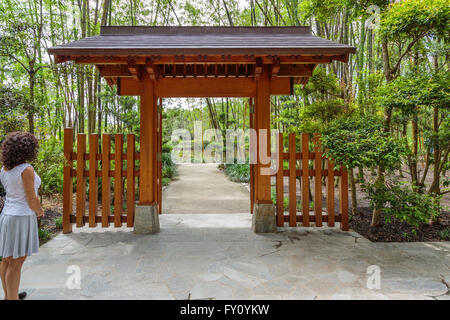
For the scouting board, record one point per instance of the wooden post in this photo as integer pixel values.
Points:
(262, 117)
(160, 138)
(252, 143)
(106, 193)
(330, 194)
(305, 179)
(81, 180)
(343, 198)
(148, 143)
(67, 184)
(318, 180)
(280, 183)
(93, 181)
(292, 181)
(118, 180)
(130, 179)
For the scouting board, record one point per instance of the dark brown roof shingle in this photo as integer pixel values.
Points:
(140, 40)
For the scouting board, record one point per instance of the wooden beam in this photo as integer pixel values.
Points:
(296, 70)
(167, 59)
(284, 70)
(280, 86)
(119, 70)
(61, 59)
(129, 87)
(203, 87)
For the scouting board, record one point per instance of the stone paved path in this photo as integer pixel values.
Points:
(217, 256)
(202, 188)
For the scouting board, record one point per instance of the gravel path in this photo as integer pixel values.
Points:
(202, 188)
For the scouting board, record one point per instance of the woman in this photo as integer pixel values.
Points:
(19, 236)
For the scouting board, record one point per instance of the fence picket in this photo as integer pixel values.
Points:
(343, 201)
(105, 172)
(130, 180)
(106, 191)
(93, 180)
(81, 180)
(305, 179)
(67, 184)
(118, 180)
(318, 180)
(330, 193)
(279, 181)
(292, 182)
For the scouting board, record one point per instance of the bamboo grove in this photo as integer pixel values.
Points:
(398, 78)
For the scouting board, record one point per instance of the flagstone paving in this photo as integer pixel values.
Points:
(216, 256)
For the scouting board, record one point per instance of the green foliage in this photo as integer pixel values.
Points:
(12, 102)
(444, 234)
(360, 141)
(273, 194)
(49, 165)
(238, 172)
(168, 168)
(58, 223)
(44, 235)
(408, 92)
(402, 202)
(415, 19)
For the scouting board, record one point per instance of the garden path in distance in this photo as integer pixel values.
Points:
(203, 188)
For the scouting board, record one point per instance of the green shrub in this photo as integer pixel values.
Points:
(169, 168)
(49, 165)
(360, 141)
(273, 193)
(238, 172)
(165, 181)
(58, 223)
(403, 203)
(444, 234)
(44, 235)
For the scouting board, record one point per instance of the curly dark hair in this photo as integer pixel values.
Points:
(18, 148)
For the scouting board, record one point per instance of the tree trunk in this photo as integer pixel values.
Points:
(415, 141)
(376, 215)
(30, 116)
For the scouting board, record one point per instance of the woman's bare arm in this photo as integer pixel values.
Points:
(28, 186)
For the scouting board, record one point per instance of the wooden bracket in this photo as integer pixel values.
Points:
(258, 68)
(133, 68)
(275, 68)
(151, 69)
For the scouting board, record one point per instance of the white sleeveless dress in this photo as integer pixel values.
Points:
(19, 234)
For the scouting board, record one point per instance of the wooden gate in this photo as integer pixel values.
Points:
(306, 165)
(117, 169)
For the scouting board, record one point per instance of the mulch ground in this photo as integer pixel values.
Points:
(397, 231)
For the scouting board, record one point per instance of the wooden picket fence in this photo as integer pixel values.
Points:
(93, 172)
(312, 165)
